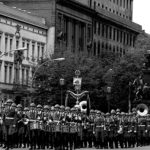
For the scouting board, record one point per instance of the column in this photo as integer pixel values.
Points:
(30, 49)
(76, 37)
(35, 51)
(3, 42)
(131, 8)
(112, 33)
(69, 34)
(8, 43)
(14, 42)
(13, 73)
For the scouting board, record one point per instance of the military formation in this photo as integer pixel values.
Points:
(64, 128)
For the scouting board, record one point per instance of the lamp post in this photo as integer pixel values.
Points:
(108, 97)
(61, 82)
(38, 67)
(129, 97)
(19, 49)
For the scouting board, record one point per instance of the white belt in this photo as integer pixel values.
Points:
(9, 118)
(141, 125)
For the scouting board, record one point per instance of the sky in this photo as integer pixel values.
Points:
(141, 14)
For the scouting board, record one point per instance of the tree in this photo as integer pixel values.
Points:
(92, 71)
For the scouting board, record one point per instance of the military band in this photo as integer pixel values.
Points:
(65, 128)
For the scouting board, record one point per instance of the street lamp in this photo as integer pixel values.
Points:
(108, 97)
(19, 49)
(38, 67)
(61, 82)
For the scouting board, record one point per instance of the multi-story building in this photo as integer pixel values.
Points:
(18, 28)
(91, 26)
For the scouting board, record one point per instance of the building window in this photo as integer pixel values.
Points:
(98, 48)
(5, 74)
(94, 48)
(28, 50)
(121, 37)
(38, 51)
(118, 32)
(11, 42)
(22, 75)
(114, 49)
(95, 27)
(103, 32)
(10, 74)
(99, 28)
(42, 51)
(114, 35)
(33, 49)
(27, 76)
(23, 43)
(110, 32)
(17, 43)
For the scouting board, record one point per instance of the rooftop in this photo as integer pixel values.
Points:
(21, 15)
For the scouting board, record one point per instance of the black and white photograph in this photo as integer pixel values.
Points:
(74, 75)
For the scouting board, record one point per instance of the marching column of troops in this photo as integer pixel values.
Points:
(66, 128)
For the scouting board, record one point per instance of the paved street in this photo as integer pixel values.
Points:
(137, 148)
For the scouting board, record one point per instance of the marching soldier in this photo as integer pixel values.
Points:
(57, 124)
(9, 124)
(26, 137)
(39, 118)
(120, 129)
(20, 125)
(99, 130)
(45, 141)
(33, 126)
(91, 128)
(141, 130)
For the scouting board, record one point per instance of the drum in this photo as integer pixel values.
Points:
(34, 125)
(73, 129)
(57, 128)
(52, 128)
(1, 121)
(41, 127)
(9, 121)
(65, 129)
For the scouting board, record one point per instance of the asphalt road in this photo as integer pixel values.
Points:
(137, 148)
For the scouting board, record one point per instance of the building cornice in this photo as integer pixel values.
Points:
(102, 13)
(21, 16)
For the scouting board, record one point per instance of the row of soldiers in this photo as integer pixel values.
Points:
(63, 128)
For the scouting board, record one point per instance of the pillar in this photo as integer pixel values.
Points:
(131, 8)
(69, 34)
(76, 37)
(3, 42)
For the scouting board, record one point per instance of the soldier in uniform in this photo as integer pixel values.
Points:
(20, 125)
(1, 126)
(99, 130)
(91, 128)
(39, 117)
(26, 136)
(57, 124)
(120, 129)
(33, 133)
(84, 129)
(9, 119)
(141, 130)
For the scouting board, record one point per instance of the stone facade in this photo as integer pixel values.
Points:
(33, 35)
(91, 26)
